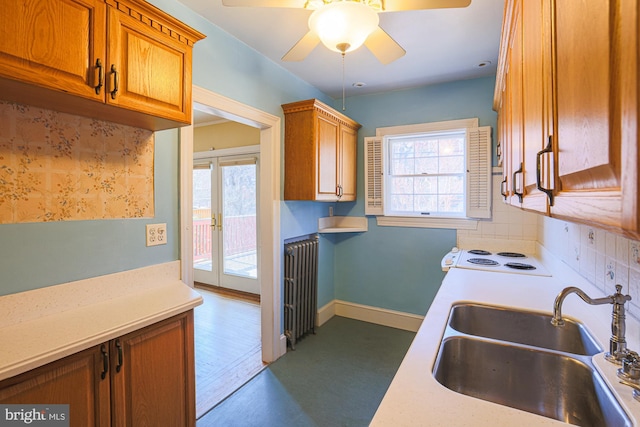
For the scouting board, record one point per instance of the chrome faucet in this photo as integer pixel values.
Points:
(617, 343)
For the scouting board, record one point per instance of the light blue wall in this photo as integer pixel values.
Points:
(43, 254)
(385, 267)
(392, 267)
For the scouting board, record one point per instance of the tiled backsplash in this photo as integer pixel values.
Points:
(57, 167)
(604, 259)
(518, 229)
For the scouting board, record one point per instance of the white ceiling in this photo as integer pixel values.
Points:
(442, 45)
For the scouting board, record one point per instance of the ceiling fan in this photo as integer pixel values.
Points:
(344, 25)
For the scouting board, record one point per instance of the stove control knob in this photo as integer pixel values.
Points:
(455, 250)
(448, 261)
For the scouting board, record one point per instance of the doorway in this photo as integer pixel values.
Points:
(269, 194)
(225, 206)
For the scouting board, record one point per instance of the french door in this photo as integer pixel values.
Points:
(224, 222)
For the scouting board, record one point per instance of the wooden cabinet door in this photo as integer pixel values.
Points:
(151, 70)
(348, 159)
(153, 377)
(328, 134)
(54, 44)
(515, 89)
(534, 72)
(75, 380)
(588, 142)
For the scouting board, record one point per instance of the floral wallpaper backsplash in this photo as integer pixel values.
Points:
(57, 167)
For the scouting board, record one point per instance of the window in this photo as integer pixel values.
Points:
(426, 174)
(433, 174)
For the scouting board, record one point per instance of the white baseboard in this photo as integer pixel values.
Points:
(365, 313)
(325, 313)
(283, 345)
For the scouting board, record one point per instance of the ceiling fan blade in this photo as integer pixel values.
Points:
(303, 48)
(265, 3)
(384, 47)
(399, 5)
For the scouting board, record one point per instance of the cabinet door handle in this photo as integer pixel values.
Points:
(339, 191)
(116, 81)
(105, 362)
(547, 191)
(219, 221)
(213, 221)
(100, 76)
(120, 359)
(503, 184)
(515, 189)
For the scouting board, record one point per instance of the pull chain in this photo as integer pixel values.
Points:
(343, 90)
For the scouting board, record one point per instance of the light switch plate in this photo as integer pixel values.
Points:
(156, 234)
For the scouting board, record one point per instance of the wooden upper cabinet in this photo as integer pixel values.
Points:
(153, 66)
(578, 124)
(348, 161)
(536, 74)
(76, 381)
(320, 153)
(54, 44)
(596, 106)
(61, 54)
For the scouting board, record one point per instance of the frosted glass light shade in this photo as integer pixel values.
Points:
(343, 26)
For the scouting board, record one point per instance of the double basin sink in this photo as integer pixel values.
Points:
(519, 359)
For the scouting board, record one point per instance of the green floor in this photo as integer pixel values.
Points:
(336, 377)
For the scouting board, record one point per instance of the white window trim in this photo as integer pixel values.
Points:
(419, 222)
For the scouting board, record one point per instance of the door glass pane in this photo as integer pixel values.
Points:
(202, 257)
(239, 220)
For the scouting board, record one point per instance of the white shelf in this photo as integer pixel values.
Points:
(343, 224)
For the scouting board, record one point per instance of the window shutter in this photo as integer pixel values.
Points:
(373, 178)
(479, 172)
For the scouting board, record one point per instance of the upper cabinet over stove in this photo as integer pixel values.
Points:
(567, 101)
(123, 61)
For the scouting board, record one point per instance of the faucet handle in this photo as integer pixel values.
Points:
(618, 297)
(630, 370)
(634, 386)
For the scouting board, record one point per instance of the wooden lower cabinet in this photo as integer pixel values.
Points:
(149, 379)
(75, 380)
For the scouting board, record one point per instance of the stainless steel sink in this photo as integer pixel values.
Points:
(519, 359)
(523, 327)
(545, 383)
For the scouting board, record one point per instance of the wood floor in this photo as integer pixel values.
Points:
(227, 344)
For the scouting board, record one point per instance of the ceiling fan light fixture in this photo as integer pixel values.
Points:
(343, 26)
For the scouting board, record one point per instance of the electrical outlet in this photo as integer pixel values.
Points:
(156, 234)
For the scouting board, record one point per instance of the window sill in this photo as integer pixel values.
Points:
(453, 223)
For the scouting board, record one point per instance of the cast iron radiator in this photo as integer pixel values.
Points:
(300, 288)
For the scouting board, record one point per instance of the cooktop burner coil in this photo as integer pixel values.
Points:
(479, 252)
(520, 266)
(511, 254)
(482, 261)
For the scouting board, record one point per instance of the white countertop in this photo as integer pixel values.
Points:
(43, 325)
(415, 398)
